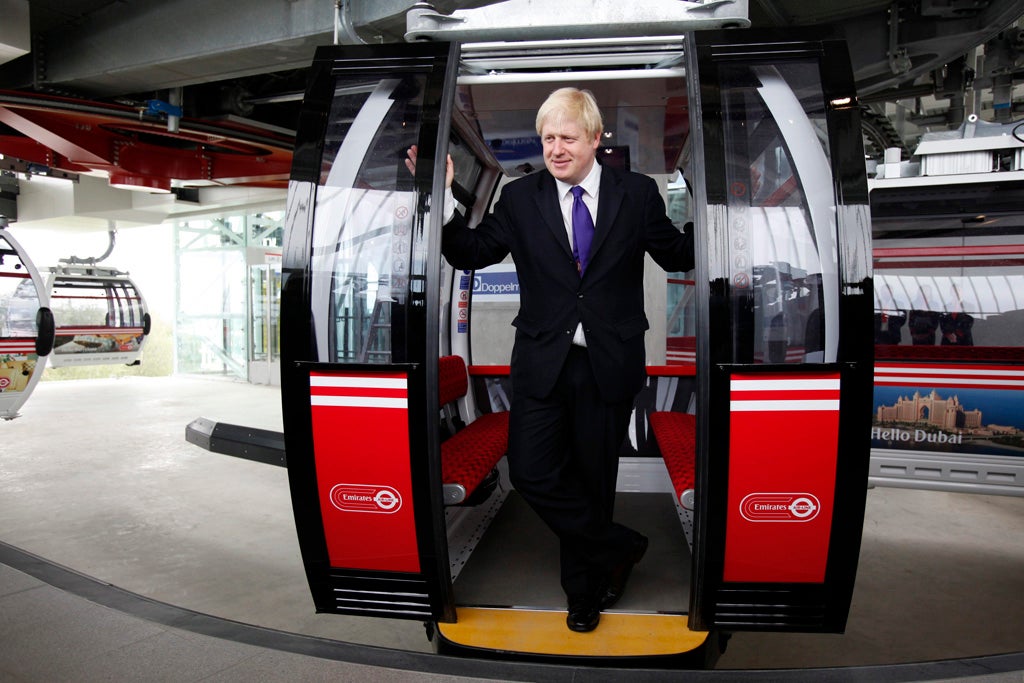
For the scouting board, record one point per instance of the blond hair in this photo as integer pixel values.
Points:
(573, 104)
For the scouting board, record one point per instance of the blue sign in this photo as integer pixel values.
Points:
(496, 283)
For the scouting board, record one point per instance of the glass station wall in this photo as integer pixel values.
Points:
(228, 294)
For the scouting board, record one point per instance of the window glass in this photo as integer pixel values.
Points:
(19, 299)
(949, 292)
(781, 213)
(680, 292)
(264, 310)
(266, 228)
(368, 257)
(95, 303)
(467, 166)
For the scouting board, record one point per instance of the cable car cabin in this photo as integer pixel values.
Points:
(26, 326)
(100, 315)
(948, 244)
(747, 468)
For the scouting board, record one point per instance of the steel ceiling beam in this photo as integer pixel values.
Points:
(531, 20)
(147, 45)
(929, 42)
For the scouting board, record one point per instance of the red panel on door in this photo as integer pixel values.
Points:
(361, 445)
(783, 436)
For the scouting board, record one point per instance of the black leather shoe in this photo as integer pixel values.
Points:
(583, 614)
(619, 575)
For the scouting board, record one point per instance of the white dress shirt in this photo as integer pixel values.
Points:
(591, 186)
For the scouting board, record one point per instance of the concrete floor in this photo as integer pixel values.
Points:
(97, 476)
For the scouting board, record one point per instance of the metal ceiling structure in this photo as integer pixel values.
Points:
(162, 94)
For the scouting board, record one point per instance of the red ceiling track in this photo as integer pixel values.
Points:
(79, 136)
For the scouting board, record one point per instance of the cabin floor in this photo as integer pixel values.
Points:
(96, 477)
(516, 563)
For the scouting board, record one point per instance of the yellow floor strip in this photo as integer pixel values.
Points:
(545, 632)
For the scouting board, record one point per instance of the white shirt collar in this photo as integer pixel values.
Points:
(590, 184)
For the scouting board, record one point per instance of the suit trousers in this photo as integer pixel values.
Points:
(563, 460)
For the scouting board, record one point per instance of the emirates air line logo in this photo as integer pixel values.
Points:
(779, 507)
(365, 498)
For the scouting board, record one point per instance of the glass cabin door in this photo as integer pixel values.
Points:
(360, 330)
(784, 351)
(264, 323)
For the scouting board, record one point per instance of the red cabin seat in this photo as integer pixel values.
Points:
(469, 455)
(676, 434)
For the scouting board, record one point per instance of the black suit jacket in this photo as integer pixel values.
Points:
(608, 299)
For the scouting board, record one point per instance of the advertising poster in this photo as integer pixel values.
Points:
(17, 363)
(949, 409)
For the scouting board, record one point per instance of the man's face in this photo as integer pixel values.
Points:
(568, 152)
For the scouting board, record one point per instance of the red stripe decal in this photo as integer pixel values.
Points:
(97, 331)
(28, 346)
(1002, 377)
(361, 449)
(783, 436)
(920, 252)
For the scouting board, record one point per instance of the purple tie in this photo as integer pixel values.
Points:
(582, 229)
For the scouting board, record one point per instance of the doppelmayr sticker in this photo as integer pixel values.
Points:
(365, 498)
(780, 507)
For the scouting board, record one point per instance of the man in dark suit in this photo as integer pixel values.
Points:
(578, 358)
